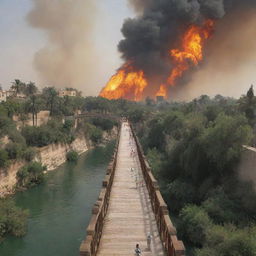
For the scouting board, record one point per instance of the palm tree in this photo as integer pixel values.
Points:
(33, 105)
(17, 86)
(30, 89)
(50, 94)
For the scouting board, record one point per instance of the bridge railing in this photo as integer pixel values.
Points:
(94, 230)
(166, 229)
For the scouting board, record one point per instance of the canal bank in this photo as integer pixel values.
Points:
(60, 208)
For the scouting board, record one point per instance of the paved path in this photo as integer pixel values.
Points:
(130, 217)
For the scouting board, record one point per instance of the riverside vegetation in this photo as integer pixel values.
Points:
(21, 143)
(193, 148)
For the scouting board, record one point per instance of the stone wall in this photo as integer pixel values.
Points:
(8, 178)
(247, 165)
(54, 155)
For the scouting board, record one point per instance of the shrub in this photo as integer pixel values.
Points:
(67, 126)
(30, 174)
(194, 225)
(3, 158)
(14, 150)
(29, 154)
(228, 240)
(104, 124)
(179, 193)
(219, 207)
(96, 135)
(13, 221)
(37, 136)
(44, 135)
(16, 137)
(72, 156)
(155, 159)
(5, 125)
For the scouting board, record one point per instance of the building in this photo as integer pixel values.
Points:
(13, 93)
(10, 93)
(3, 96)
(67, 92)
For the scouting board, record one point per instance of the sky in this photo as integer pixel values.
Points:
(19, 42)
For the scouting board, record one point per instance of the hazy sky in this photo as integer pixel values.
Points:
(19, 42)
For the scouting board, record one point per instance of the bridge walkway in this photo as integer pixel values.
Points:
(130, 217)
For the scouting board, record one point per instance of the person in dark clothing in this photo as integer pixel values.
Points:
(137, 250)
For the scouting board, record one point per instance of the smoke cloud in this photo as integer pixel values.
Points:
(68, 58)
(160, 24)
(229, 67)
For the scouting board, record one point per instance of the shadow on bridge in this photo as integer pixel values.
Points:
(129, 207)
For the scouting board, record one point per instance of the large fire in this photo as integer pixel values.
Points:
(124, 84)
(130, 84)
(192, 50)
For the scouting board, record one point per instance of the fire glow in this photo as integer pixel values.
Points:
(130, 84)
(192, 52)
(127, 85)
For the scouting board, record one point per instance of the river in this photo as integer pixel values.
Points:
(60, 208)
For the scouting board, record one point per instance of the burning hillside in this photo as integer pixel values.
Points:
(164, 44)
(130, 83)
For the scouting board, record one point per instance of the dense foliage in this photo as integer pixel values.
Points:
(13, 221)
(30, 174)
(194, 149)
(72, 156)
(20, 135)
(53, 132)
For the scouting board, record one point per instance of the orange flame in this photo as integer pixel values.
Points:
(192, 52)
(128, 85)
(162, 91)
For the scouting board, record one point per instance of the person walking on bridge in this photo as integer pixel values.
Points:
(137, 250)
(149, 237)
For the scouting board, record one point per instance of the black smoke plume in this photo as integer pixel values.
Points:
(158, 28)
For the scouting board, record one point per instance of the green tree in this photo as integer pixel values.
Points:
(223, 141)
(15, 150)
(194, 225)
(155, 159)
(3, 158)
(228, 241)
(247, 104)
(136, 115)
(30, 89)
(250, 93)
(179, 193)
(17, 86)
(96, 135)
(33, 105)
(50, 94)
(72, 156)
(30, 174)
(13, 220)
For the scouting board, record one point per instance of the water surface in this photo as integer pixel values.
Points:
(60, 209)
